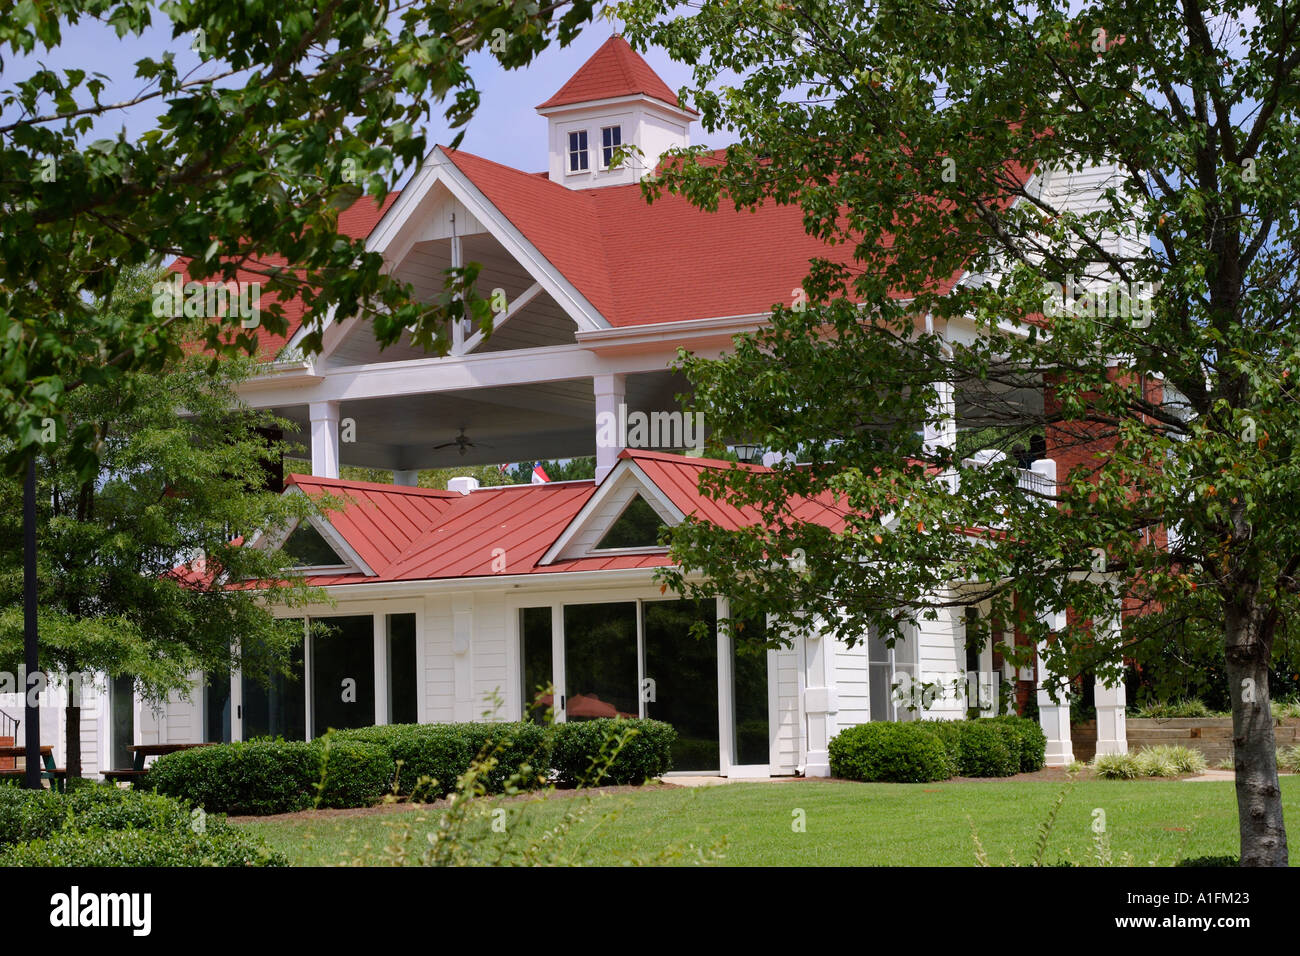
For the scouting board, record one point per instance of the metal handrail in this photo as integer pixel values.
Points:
(9, 726)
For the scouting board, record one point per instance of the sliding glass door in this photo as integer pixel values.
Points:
(600, 661)
(681, 678)
(275, 706)
(342, 673)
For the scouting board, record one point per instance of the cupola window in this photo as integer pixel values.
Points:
(611, 138)
(578, 151)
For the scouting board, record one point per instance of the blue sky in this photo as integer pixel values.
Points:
(505, 129)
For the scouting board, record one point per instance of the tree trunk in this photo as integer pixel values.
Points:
(1259, 798)
(73, 742)
(72, 739)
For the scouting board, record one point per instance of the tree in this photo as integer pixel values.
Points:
(1170, 408)
(137, 559)
(298, 110)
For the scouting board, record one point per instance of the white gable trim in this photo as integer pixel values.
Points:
(438, 168)
(352, 561)
(626, 481)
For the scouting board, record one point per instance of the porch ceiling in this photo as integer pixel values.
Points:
(515, 423)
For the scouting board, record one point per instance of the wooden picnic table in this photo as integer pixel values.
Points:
(58, 776)
(139, 753)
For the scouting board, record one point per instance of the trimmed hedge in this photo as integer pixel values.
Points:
(355, 773)
(890, 752)
(1033, 742)
(106, 826)
(255, 777)
(576, 746)
(421, 761)
(984, 747)
(987, 749)
(439, 753)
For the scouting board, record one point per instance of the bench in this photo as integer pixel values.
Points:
(139, 753)
(57, 776)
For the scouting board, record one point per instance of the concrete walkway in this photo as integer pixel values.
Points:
(715, 781)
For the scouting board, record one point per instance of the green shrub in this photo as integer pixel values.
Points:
(522, 752)
(1033, 742)
(1115, 766)
(1155, 762)
(256, 777)
(1288, 760)
(105, 826)
(1285, 709)
(439, 753)
(576, 747)
(1164, 710)
(949, 733)
(987, 748)
(434, 753)
(143, 848)
(1188, 760)
(353, 773)
(910, 752)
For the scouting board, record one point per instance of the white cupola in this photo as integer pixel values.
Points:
(615, 99)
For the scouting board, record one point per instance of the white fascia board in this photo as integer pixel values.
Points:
(624, 472)
(439, 168)
(726, 325)
(427, 376)
(510, 584)
(688, 116)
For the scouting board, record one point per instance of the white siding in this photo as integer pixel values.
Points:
(787, 674)
(491, 670)
(439, 662)
(852, 684)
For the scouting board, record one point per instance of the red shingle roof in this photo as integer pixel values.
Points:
(613, 70)
(356, 222)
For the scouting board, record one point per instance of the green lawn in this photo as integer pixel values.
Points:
(1156, 823)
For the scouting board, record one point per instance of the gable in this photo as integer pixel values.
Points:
(637, 527)
(612, 519)
(309, 549)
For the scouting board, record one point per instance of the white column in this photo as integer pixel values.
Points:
(1054, 715)
(611, 391)
(325, 439)
(821, 701)
(408, 479)
(941, 426)
(462, 628)
(1112, 736)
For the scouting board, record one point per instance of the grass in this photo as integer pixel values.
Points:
(852, 824)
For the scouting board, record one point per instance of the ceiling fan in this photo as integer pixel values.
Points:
(461, 441)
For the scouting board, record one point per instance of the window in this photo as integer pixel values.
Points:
(538, 662)
(611, 138)
(309, 549)
(637, 527)
(403, 684)
(342, 673)
(578, 151)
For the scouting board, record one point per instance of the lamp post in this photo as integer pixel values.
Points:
(31, 698)
(746, 453)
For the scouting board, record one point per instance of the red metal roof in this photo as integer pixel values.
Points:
(414, 534)
(613, 70)
(380, 522)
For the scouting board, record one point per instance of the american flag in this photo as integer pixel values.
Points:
(540, 477)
